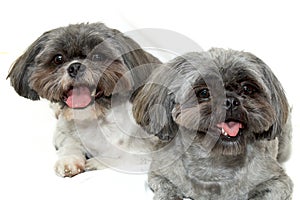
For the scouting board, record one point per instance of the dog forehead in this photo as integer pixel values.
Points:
(234, 73)
(197, 65)
(236, 65)
(71, 40)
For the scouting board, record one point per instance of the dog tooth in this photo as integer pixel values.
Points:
(223, 131)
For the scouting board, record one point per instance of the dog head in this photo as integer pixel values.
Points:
(228, 95)
(77, 65)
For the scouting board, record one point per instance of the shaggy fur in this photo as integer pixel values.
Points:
(223, 122)
(77, 68)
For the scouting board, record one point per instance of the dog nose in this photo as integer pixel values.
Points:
(76, 69)
(231, 103)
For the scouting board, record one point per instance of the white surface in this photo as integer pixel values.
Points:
(268, 29)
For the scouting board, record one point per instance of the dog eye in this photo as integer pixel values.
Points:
(58, 59)
(248, 89)
(202, 93)
(98, 57)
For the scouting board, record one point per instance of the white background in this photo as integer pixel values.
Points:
(269, 29)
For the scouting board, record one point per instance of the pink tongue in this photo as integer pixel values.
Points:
(231, 128)
(79, 97)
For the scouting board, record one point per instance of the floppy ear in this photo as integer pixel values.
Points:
(280, 104)
(278, 100)
(281, 127)
(22, 68)
(133, 56)
(154, 103)
(136, 55)
(152, 110)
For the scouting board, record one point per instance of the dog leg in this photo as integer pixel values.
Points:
(163, 188)
(278, 188)
(71, 154)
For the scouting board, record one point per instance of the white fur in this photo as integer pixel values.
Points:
(114, 141)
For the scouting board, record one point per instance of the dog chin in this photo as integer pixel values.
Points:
(230, 145)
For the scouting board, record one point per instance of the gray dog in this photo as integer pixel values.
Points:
(77, 68)
(224, 126)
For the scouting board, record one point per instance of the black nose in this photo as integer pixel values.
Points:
(231, 103)
(76, 69)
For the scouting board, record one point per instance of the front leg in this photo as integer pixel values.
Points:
(163, 189)
(71, 154)
(277, 188)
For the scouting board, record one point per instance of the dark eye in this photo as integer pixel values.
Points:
(202, 93)
(98, 57)
(58, 59)
(249, 89)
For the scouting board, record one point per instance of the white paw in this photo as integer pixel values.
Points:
(68, 166)
(94, 164)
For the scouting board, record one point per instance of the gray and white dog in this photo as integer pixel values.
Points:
(77, 68)
(223, 122)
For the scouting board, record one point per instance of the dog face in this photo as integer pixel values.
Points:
(225, 96)
(77, 65)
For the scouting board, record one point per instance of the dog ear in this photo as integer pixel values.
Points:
(278, 99)
(152, 107)
(22, 68)
(133, 56)
(280, 104)
(154, 102)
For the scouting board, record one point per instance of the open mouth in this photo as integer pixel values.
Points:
(230, 129)
(81, 96)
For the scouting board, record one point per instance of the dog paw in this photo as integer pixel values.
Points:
(69, 166)
(94, 164)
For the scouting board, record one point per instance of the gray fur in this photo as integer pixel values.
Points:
(210, 164)
(104, 55)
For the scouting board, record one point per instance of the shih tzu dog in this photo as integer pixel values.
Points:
(223, 122)
(77, 69)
